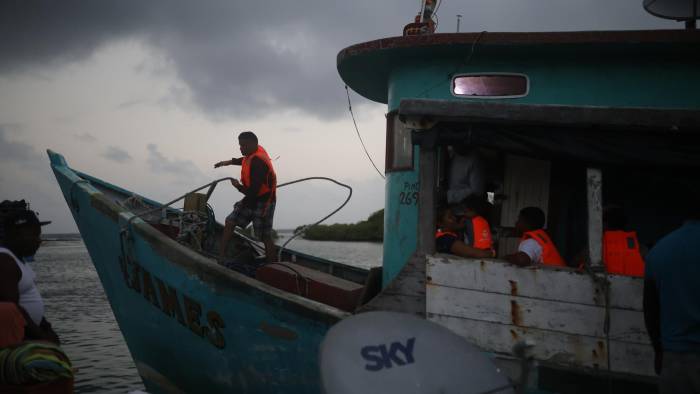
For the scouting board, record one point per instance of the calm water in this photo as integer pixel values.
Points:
(80, 313)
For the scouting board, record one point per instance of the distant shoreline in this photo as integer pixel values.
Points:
(61, 237)
(369, 230)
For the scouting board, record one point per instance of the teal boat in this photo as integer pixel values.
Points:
(567, 122)
(191, 324)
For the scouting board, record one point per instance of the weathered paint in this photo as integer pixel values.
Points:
(552, 283)
(561, 350)
(189, 323)
(400, 220)
(495, 304)
(594, 186)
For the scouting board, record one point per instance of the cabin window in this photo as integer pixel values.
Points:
(399, 148)
(493, 85)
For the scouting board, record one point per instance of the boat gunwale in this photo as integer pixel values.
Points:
(193, 263)
(625, 119)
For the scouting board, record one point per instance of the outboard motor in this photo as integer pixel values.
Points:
(388, 352)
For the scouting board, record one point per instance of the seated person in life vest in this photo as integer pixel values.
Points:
(449, 240)
(476, 229)
(535, 245)
(621, 250)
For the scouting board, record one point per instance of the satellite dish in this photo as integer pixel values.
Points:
(388, 352)
(680, 10)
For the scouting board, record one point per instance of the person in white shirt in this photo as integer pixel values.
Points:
(466, 174)
(22, 237)
(535, 248)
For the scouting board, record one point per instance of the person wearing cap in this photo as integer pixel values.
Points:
(22, 237)
(259, 185)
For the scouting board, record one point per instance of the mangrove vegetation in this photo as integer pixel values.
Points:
(366, 230)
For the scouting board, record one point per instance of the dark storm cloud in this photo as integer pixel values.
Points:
(237, 58)
(116, 154)
(184, 169)
(267, 56)
(12, 151)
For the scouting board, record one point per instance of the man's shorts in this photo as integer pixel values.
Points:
(261, 217)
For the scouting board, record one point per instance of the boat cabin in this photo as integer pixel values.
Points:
(566, 122)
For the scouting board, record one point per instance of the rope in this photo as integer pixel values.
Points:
(303, 228)
(604, 284)
(358, 133)
(296, 233)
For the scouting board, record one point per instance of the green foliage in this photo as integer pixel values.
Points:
(371, 230)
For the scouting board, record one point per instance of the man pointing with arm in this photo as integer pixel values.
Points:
(259, 185)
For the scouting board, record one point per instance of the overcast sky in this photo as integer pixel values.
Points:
(148, 95)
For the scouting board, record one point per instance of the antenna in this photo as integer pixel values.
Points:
(679, 10)
(459, 18)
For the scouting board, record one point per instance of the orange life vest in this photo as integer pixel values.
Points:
(270, 184)
(439, 233)
(621, 253)
(482, 233)
(550, 254)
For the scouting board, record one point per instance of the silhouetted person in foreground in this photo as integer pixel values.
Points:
(672, 307)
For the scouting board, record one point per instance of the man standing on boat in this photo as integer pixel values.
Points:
(259, 185)
(22, 237)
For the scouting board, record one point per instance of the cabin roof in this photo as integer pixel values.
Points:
(366, 67)
(655, 120)
(639, 137)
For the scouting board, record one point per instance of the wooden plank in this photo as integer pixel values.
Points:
(550, 315)
(411, 279)
(594, 182)
(659, 119)
(426, 202)
(554, 348)
(408, 285)
(396, 303)
(526, 184)
(561, 284)
(406, 293)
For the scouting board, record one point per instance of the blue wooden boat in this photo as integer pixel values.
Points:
(192, 325)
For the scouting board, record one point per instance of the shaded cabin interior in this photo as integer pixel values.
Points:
(532, 158)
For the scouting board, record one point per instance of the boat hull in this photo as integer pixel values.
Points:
(190, 324)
